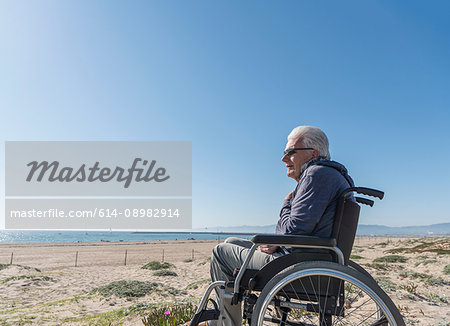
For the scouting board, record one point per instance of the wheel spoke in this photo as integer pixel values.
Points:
(297, 297)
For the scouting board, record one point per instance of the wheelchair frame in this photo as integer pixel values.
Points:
(340, 270)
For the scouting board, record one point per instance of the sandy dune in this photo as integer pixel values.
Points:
(43, 286)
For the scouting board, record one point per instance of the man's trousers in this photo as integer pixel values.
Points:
(225, 258)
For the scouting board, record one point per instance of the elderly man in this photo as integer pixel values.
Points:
(307, 210)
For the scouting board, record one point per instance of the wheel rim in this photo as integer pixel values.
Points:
(287, 302)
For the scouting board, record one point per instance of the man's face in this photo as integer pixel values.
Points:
(295, 160)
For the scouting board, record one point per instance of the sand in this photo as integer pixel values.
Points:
(44, 287)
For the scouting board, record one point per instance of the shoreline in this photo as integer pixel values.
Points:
(98, 243)
(214, 239)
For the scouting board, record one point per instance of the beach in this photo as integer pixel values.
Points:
(54, 283)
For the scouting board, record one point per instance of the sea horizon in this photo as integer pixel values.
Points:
(210, 233)
(35, 236)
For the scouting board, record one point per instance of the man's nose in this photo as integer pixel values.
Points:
(284, 158)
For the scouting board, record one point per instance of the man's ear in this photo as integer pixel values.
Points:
(316, 153)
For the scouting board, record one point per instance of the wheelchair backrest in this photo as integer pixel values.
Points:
(345, 225)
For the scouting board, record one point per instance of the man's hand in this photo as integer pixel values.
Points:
(268, 249)
(289, 196)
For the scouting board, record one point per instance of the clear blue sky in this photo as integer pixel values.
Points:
(234, 77)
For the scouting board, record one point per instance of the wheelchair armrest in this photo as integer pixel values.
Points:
(293, 240)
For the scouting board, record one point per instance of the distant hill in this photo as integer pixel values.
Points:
(433, 229)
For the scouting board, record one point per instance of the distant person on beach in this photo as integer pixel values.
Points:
(307, 210)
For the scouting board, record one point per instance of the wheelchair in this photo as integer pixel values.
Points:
(318, 286)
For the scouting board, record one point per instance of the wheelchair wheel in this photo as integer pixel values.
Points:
(324, 293)
(360, 269)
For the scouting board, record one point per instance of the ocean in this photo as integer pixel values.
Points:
(7, 236)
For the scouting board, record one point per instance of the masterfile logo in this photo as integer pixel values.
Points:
(63, 185)
(98, 168)
(95, 173)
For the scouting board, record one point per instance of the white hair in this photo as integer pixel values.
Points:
(312, 137)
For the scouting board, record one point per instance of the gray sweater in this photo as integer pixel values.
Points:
(311, 209)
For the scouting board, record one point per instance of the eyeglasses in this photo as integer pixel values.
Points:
(291, 151)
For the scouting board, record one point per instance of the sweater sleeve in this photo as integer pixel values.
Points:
(307, 206)
(284, 213)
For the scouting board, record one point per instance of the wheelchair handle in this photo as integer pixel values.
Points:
(365, 191)
(364, 201)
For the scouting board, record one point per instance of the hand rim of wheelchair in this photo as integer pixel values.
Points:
(321, 268)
